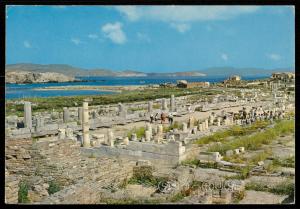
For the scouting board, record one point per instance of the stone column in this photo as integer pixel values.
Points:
(172, 103)
(122, 110)
(66, 115)
(85, 125)
(206, 123)
(160, 129)
(219, 122)
(110, 136)
(126, 141)
(200, 127)
(80, 114)
(69, 133)
(184, 127)
(147, 136)
(27, 115)
(133, 137)
(211, 120)
(164, 105)
(191, 122)
(61, 133)
(203, 124)
(150, 106)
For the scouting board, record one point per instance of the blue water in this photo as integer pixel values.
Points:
(14, 91)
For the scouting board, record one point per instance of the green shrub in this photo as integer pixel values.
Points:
(195, 162)
(53, 187)
(23, 192)
(244, 172)
(287, 162)
(256, 187)
(140, 132)
(284, 188)
(260, 156)
(220, 136)
(256, 140)
(175, 125)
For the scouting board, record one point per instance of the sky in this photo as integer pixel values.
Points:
(152, 38)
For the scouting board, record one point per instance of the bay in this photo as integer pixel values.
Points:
(15, 91)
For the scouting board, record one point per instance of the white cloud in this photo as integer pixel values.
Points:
(93, 36)
(143, 37)
(185, 13)
(224, 56)
(76, 41)
(274, 56)
(181, 27)
(27, 44)
(114, 32)
(131, 12)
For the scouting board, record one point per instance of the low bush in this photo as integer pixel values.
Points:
(140, 132)
(23, 192)
(256, 140)
(53, 187)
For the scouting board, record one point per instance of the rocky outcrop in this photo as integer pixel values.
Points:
(33, 77)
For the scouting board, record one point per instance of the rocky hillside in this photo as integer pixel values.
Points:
(70, 70)
(34, 77)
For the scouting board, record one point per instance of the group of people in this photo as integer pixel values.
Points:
(163, 117)
(257, 114)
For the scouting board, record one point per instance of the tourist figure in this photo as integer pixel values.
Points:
(170, 117)
(163, 117)
(151, 118)
(156, 117)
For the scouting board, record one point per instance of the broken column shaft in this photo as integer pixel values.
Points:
(85, 125)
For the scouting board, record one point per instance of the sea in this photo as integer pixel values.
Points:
(20, 91)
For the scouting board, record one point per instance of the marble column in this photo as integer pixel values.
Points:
(206, 123)
(160, 129)
(184, 127)
(122, 110)
(85, 125)
(172, 103)
(126, 141)
(147, 135)
(133, 137)
(191, 122)
(164, 105)
(27, 115)
(66, 115)
(219, 122)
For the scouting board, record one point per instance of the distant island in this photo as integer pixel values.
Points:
(36, 73)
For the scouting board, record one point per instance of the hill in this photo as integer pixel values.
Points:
(74, 71)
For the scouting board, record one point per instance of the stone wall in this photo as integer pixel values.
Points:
(41, 162)
(11, 188)
(169, 154)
